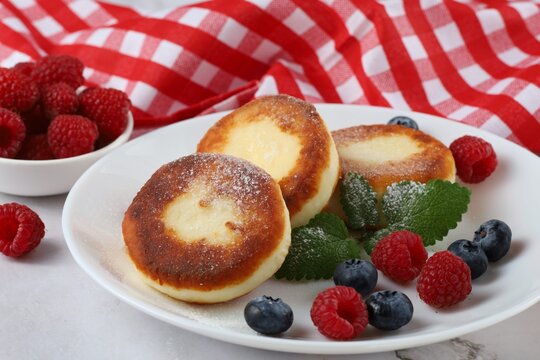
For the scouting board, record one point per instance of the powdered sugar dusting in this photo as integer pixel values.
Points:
(241, 180)
(287, 108)
(202, 223)
(397, 192)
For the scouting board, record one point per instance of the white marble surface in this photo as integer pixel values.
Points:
(50, 309)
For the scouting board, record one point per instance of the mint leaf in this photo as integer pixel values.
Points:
(429, 210)
(317, 248)
(359, 201)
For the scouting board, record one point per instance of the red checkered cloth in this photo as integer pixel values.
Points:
(477, 62)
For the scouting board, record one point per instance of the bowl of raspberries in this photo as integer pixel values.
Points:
(51, 128)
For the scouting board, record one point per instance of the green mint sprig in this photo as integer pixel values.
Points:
(430, 210)
(359, 201)
(317, 248)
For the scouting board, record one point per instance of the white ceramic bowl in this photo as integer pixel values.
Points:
(51, 177)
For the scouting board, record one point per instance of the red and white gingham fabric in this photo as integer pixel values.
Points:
(477, 62)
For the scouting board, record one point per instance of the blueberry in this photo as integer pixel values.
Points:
(268, 316)
(494, 236)
(404, 121)
(389, 310)
(358, 274)
(472, 254)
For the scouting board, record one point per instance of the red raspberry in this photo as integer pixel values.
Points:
(36, 122)
(400, 255)
(71, 135)
(25, 68)
(339, 313)
(17, 91)
(12, 133)
(53, 69)
(108, 108)
(21, 229)
(35, 147)
(58, 99)
(445, 280)
(475, 158)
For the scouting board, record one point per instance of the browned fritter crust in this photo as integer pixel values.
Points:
(295, 117)
(162, 256)
(434, 161)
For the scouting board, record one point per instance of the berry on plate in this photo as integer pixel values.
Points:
(12, 133)
(358, 274)
(445, 280)
(475, 158)
(71, 135)
(108, 108)
(400, 255)
(472, 254)
(21, 229)
(339, 313)
(494, 236)
(268, 316)
(403, 121)
(389, 310)
(17, 91)
(53, 69)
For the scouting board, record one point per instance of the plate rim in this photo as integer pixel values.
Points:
(291, 345)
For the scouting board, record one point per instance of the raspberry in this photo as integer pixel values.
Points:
(339, 313)
(59, 68)
(17, 91)
(25, 68)
(71, 135)
(58, 99)
(35, 147)
(475, 158)
(444, 281)
(36, 122)
(12, 133)
(400, 255)
(21, 229)
(108, 108)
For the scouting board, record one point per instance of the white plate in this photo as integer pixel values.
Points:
(95, 206)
